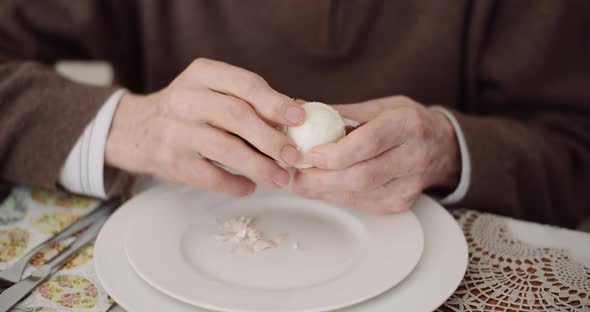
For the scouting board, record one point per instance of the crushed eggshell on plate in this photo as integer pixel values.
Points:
(243, 235)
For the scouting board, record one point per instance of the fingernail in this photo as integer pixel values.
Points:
(314, 158)
(281, 178)
(290, 154)
(295, 115)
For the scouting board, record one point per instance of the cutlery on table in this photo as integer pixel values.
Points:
(18, 291)
(13, 274)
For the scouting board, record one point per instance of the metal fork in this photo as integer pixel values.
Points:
(14, 273)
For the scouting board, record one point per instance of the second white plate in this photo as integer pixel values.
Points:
(345, 257)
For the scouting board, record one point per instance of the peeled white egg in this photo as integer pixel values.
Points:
(323, 124)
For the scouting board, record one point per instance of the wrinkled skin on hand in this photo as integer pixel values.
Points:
(401, 149)
(207, 113)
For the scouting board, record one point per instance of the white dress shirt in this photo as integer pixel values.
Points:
(83, 171)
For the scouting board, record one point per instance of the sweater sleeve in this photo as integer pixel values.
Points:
(527, 121)
(42, 114)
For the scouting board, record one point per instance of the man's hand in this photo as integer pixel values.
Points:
(199, 117)
(400, 149)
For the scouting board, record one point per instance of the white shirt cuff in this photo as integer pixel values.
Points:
(83, 171)
(459, 193)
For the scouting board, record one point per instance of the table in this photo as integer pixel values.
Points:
(519, 266)
(513, 265)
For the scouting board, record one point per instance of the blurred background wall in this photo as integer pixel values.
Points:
(95, 73)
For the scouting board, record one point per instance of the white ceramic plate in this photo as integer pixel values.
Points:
(346, 256)
(434, 279)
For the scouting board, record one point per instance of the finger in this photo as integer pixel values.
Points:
(384, 132)
(250, 87)
(215, 144)
(191, 169)
(360, 200)
(369, 110)
(234, 153)
(365, 175)
(238, 117)
(360, 112)
(395, 196)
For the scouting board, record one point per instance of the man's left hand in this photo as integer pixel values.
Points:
(400, 149)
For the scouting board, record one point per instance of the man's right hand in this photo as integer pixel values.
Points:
(176, 131)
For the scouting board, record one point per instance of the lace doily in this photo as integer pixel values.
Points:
(505, 274)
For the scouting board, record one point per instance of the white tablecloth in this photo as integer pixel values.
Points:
(521, 266)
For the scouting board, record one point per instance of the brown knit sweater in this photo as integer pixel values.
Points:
(516, 74)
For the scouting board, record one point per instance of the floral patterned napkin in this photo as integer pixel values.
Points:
(30, 216)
